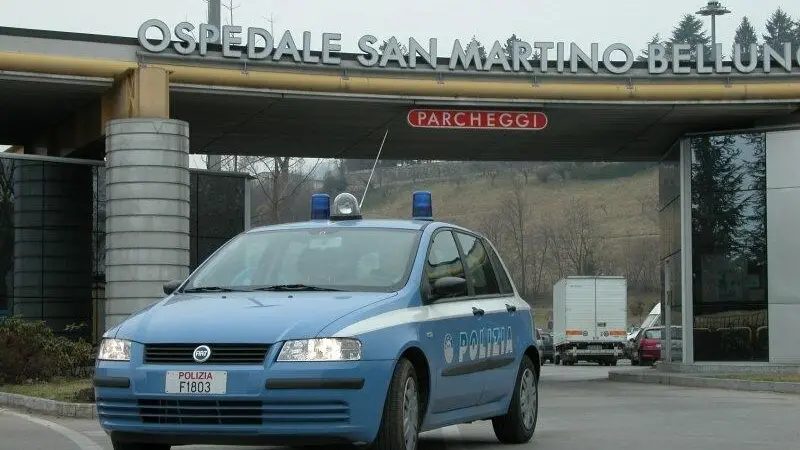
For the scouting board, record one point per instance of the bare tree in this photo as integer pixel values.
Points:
(516, 213)
(640, 263)
(280, 179)
(574, 241)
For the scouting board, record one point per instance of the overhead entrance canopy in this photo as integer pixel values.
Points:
(52, 85)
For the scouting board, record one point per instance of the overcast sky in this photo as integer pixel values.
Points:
(632, 22)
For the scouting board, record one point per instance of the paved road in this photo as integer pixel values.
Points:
(580, 409)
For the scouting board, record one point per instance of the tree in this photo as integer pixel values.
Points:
(335, 180)
(526, 244)
(283, 185)
(574, 240)
(481, 49)
(781, 28)
(384, 44)
(744, 37)
(646, 51)
(509, 47)
(689, 31)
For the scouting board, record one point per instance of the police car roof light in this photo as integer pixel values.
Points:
(345, 207)
(421, 205)
(320, 207)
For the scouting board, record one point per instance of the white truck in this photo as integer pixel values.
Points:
(589, 319)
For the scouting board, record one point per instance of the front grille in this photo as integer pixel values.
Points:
(220, 353)
(201, 412)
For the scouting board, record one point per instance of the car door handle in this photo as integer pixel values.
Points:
(510, 308)
(477, 311)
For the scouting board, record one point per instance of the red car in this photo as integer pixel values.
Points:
(649, 349)
(648, 345)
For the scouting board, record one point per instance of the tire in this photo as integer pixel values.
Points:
(118, 445)
(392, 435)
(519, 423)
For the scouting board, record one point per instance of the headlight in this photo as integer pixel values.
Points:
(114, 350)
(325, 349)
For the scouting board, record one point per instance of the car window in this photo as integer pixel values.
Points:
(502, 277)
(479, 266)
(443, 258)
(653, 334)
(353, 259)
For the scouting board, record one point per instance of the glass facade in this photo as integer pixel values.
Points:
(52, 235)
(669, 181)
(729, 247)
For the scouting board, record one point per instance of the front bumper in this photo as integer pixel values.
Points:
(270, 404)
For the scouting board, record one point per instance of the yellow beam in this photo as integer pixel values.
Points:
(600, 90)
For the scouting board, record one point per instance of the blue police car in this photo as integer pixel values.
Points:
(334, 330)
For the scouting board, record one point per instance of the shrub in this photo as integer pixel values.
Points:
(30, 350)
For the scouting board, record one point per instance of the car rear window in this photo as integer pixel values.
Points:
(653, 334)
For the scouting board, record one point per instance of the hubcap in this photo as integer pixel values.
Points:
(528, 398)
(410, 414)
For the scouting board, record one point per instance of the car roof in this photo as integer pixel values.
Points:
(360, 223)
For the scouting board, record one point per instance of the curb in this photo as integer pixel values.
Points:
(704, 382)
(49, 407)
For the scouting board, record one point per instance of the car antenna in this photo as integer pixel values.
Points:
(375, 164)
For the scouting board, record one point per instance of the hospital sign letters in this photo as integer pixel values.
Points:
(255, 43)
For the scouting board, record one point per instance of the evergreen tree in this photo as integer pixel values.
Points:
(757, 173)
(718, 209)
(690, 31)
(646, 51)
(744, 37)
(781, 28)
(481, 49)
(403, 48)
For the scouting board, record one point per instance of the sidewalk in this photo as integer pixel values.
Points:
(700, 380)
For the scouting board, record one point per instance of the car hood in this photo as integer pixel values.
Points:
(246, 317)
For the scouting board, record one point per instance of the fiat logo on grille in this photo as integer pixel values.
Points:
(201, 353)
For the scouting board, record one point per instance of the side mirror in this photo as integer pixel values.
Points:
(449, 286)
(170, 286)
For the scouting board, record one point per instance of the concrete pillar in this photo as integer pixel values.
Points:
(53, 243)
(783, 221)
(147, 212)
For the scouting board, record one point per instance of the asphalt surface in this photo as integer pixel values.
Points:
(579, 409)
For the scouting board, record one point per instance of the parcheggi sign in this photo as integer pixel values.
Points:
(255, 43)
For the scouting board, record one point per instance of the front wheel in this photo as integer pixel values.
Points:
(519, 423)
(401, 413)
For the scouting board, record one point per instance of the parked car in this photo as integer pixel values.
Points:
(650, 342)
(540, 343)
(548, 349)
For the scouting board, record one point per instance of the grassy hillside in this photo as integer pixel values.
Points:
(618, 203)
(623, 211)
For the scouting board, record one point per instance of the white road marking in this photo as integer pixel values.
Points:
(83, 442)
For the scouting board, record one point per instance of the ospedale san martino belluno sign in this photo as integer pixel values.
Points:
(241, 43)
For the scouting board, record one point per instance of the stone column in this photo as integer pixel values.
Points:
(147, 212)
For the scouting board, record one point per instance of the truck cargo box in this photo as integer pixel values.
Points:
(589, 318)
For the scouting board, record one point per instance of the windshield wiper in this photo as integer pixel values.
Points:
(294, 287)
(212, 289)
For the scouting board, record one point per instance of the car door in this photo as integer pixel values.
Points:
(500, 320)
(449, 334)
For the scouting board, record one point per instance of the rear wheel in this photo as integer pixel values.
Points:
(118, 445)
(401, 412)
(519, 423)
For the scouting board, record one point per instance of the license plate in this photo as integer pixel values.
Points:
(594, 347)
(199, 382)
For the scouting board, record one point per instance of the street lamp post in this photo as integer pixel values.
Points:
(714, 9)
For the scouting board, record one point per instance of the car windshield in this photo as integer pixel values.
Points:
(342, 259)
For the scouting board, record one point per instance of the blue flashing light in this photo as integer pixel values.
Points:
(421, 205)
(320, 207)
